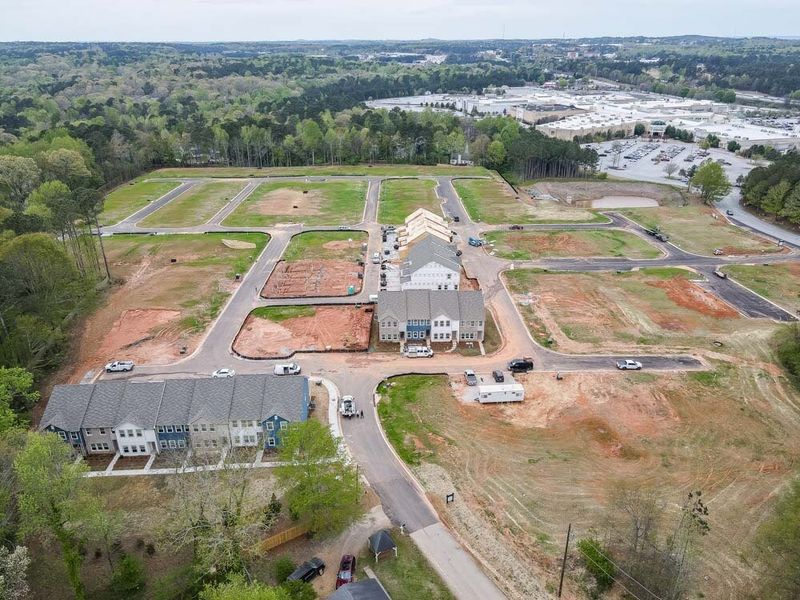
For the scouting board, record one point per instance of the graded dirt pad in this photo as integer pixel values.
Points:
(330, 328)
(312, 278)
(644, 311)
(157, 307)
(582, 193)
(289, 202)
(623, 202)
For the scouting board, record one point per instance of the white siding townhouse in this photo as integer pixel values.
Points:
(430, 264)
(135, 419)
(437, 316)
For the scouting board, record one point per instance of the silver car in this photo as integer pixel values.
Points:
(629, 365)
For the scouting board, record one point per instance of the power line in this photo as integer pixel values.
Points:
(615, 580)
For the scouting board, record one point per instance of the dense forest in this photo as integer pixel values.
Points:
(775, 189)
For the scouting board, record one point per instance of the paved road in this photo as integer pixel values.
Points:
(359, 373)
(745, 300)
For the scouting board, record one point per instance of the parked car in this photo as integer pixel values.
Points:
(477, 242)
(347, 408)
(515, 227)
(718, 252)
(498, 376)
(521, 365)
(119, 366)
(629, 365)
(470, 376)
(308, 570)
(344, 227)
(376, 258)
(373, 297)
(720, 274)
(457, 219)
(347, 570)
(419, 352)
(729, 212)
(223, 373)
(287, 369)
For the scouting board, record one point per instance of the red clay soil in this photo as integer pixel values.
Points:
(331, 328)
(688, 295)
(467, 283)
(312, 278)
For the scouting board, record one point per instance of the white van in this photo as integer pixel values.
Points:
(419, 352)
(373, 297)
(376, 258)
(287, 369)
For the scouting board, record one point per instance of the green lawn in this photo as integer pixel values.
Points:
(323, 244)
(196, 206)
(401, 197)
(129, 198)
(341, 170)
(493, 202)
(693, 228)
(406, 577)
(530, 245)
(329, 203)
(283, 313)
(412, 438)
(777, 282)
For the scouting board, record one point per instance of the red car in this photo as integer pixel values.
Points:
(347, 570)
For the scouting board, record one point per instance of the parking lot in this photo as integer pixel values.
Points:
(390, 269)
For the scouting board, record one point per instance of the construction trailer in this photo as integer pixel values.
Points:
(489, 393)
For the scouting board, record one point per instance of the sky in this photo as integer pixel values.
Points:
(261, 20)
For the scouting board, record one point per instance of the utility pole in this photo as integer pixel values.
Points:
(564, 562)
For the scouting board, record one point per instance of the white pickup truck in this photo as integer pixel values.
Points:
(118, 366)
(287, 369)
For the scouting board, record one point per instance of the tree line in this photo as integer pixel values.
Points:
(775, 189)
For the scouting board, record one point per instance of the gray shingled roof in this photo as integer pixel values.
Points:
(139, 404)
(366, 589)
(392, 304)
(176, 402)
(66, 407)
(284, 396)
(418, 304)
(429, 249)
(103, 406)
(470, 305)
(444, 302)
(211, 402)
(248, 394)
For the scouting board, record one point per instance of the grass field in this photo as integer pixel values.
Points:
(312, 203)
(406, 577)
(401, 197)
(127, 199)
(493, 202)
(195, 206)
(645, 310)
(332, 245)
(354, 170)
(522, 471)
(694, 229)
(283, 313)
(530, 245)
(777, 282)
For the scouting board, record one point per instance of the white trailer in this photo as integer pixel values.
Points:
(500, 392)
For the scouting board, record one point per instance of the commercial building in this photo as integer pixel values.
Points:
(136, 419)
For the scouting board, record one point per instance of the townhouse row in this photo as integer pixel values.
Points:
(137, 419)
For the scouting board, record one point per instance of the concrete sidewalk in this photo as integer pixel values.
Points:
(463, 576)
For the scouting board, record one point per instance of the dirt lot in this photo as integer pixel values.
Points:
(642, 311)
(318, 264)
(312, 203)
(581, 193)
(494, 202)
(530, 245)
(277, 332)
(522, 471)
(158, 306)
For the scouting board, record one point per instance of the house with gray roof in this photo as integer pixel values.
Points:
(416, 316)
(134, 419)
(430, 264)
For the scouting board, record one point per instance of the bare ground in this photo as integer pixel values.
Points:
(331, 328)
(582, 193)
(313, 278)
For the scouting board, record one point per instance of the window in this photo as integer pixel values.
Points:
(142, 449)
(206, 443)
(447, 323)
(195, 428)
(181, 428)
(271, 441)
(121, 433)
(235, 423)
(88, 432)
(211, 428)
(62, 435)
(480, 323)
(138, 433)
(130, 432)
(125, 449)
(102, 431)
(284, 425)
(160, 429)
(173, 444)
(170, 428)
(181, 444)
(214, 443)
(73, 435)
(270, 425)
(203, 427)
(163, 444)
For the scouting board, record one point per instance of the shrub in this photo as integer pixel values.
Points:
(597, 563)
(129, 579)
(788, 350)
(299, 590)
(282, 568)
(150, 549)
